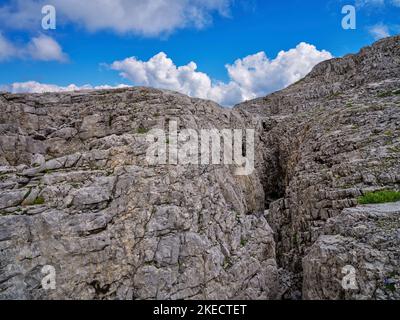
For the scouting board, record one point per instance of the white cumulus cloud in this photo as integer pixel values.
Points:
(149, 18)
(379, 31)
(36, 87)
(41, 48)
(45, 48)
(253, 76)
(258, 75)
(250, 77)
(161, 72)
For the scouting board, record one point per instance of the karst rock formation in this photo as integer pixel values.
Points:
(77, 193)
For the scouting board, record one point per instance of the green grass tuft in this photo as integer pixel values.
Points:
(384, 196)
(227, 263)
(395, 149)
(39, 201)
(143, 130)
(388, 93)
(391, 287)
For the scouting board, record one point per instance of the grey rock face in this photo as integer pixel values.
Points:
(77, 193)
(366, 238)
(329, 139)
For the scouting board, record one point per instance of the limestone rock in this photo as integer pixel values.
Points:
(84, 200)
(77, 193)
(367, 238)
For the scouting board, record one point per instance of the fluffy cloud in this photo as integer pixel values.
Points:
(253, 76)
(45, 48)
(257, 75)
(41, 48)
(36, 87)
(250, 77)
(149, 18)
(379, 31)
(20, 14)
(161, 72)
(7, 49)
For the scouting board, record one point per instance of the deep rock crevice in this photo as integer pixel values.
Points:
(76, 192)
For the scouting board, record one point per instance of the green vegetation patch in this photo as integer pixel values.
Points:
(384, 196)
(388, 93)
(395, 149)
(39, 201)
(143, 130)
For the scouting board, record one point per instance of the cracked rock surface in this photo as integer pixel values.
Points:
(76, 192)
(329, 139)
(366, 238)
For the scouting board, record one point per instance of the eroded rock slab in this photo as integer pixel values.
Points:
(76, 191)
(78, 194)
(364, 239)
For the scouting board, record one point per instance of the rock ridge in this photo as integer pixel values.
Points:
(76, 192)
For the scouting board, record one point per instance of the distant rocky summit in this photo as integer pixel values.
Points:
(77, 194)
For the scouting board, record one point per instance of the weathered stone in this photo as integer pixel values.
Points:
(77, 193)
(367, 238)
(116, 228)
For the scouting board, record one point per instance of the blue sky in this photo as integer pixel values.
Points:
(219, 33)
